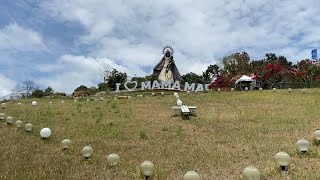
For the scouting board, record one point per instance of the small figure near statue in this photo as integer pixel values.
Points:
(166, 69)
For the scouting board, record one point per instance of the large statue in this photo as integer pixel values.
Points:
(166, 69)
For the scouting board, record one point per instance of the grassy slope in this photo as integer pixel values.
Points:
(232, 130)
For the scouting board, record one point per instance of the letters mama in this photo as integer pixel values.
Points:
(164, 85)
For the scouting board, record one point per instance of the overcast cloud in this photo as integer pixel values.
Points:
(64, 41)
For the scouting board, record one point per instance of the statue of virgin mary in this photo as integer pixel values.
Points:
(166, 70)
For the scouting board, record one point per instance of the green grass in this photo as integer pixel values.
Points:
(231, 131)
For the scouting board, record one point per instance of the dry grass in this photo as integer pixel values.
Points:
(232, 130)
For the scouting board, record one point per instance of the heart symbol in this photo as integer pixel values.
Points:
(130, 82)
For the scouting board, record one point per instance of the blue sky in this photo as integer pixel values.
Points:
(61, 43)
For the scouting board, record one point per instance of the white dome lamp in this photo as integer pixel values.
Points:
(179, 102)
(251, 173)
(65, 144)
(87, 152)
(162, 93)
(274, 89)
(45, 133)
(317, 136)
(191, 175)
(18, 124)
(147, 169)
(34, 103)
(9, 120)
(260, 89)
(219, 90)
(289, 90)
(28, 127)
(113, 160)
(282, 160)
(175, 94)
(303, 146)
(232, 89)
(3, 105)
(2, 116)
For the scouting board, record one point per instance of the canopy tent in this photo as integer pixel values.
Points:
(244, 78)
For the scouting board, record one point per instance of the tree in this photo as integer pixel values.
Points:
(212, 70)
(81, 88)
(103, 86)
(308, 71)
(117, 77)
(192, 78)
(105, 71)
(48, 91)
(38, 93)
(236, 64)
(26, 88)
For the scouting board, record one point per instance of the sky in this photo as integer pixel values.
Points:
(62, 43)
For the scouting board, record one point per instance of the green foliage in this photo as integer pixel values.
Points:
(48, 91)
(103, 86)
(38, 93)
(81, 88)
(116, 77)
(192, 78)
(236, 64)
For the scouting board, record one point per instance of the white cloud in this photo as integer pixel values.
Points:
(16, 38)
(6, 85)
(133, 32)
(72, 71)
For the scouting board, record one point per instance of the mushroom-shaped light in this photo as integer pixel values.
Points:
(162, 93)
(260, 89)
(34, 103)
(28, 127)
(2, 116)
(65, 143)
(232, 89)
(191, 175)
(3, 105)
(303, 90)
(282, 160)
(62, 102)
(251, 173)
(246, 88)
(115, 98)
(175, 94)
(18, 124)
(50, 102)
(113, 160)
(179, 102)
(19, 103)
(101, 98)
(274, 89)
(316, 135)
(219, 90)
(87, 152)
(45, 133)
(303, 146)
(289, 90)
(9, 120)
(153, 94)
(147, 168)
(88, 100)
